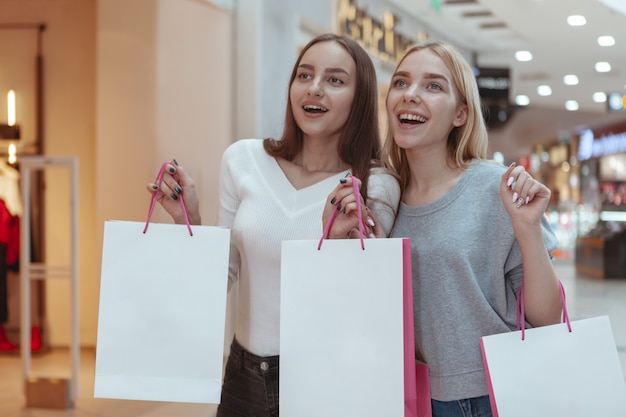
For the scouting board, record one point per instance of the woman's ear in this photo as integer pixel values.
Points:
(461, 116)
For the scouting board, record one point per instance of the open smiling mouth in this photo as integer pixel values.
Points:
(315, 109)
(411, 119)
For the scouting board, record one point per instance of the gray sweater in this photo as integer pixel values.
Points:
(467, 269)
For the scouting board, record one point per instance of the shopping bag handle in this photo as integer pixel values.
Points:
(355, 188)
(158, 181)
(521, 317)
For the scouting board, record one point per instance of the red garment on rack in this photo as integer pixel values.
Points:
(10, 234)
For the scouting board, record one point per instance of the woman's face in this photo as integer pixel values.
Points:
(323, 90)
(423, 105)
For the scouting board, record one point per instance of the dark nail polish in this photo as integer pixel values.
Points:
(175, 162)
(339, 207)
(155, 187)
(172, 170)
(174, 196)
(333, 201)
(343, 180)
(178, 190)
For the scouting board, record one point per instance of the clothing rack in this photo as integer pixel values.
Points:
(30, 271)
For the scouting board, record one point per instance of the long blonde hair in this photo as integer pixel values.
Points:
(466, 142)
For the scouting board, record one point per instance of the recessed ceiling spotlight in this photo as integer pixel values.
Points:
(570, 79)
(606, 40)
(576, 20)
(523, 56)
(544, 90)
(522, 100)
(603, 66)
(571, 105)
(599, 97)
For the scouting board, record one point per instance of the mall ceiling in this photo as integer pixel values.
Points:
(496, 29)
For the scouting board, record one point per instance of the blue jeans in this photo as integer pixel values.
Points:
(470, 407)
(250, 387)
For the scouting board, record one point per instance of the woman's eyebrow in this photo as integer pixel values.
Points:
(327, 70)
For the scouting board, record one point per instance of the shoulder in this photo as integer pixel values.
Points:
(486, 172)
(243, 149)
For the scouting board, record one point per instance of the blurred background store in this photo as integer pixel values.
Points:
(124, 85)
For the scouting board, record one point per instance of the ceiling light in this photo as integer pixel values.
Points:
(603, 66)
(522, 100)
(599, 97)
(570, 79)
(544, 90)
(523, 56)
(606, 40)
(576, 20)
(571, 105)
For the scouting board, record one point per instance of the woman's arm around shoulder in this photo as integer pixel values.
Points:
(383, 197)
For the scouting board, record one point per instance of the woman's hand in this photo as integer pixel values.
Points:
(524, 198)
(346, 222)
(177, 183)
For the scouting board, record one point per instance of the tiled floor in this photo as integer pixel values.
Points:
(586, 298)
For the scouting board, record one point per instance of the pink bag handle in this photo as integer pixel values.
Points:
(355, 188)
(521, 317)
(158, 181)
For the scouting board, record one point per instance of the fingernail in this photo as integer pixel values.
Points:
(512, 165)
(370, 222)
(510, 181)
(343, 180)
(155, 187)
(174, 196)
(333, 201)
(175, 162)
(527, 199)
(178, 190)
(515, 195)
(172, 170)
(339, 207)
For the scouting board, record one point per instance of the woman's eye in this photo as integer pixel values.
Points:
(335, 80)
(434, 86)
(399, 83)
(304, 76)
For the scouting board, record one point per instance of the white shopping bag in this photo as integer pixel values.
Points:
(570, 369)
(341, 327)
(162, 312)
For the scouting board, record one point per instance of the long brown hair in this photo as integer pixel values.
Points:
(465, 142)
(359, 144)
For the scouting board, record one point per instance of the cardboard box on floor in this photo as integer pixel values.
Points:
(48, 393)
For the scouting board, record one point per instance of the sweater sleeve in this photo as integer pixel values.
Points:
(383, 197)
(228, 204)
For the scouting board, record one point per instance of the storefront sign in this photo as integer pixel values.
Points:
(608, 144)
(379, 37)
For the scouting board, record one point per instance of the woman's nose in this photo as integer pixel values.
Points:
(410, 94)
(315, 89)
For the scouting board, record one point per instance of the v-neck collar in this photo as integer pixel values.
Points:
(285, 192)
